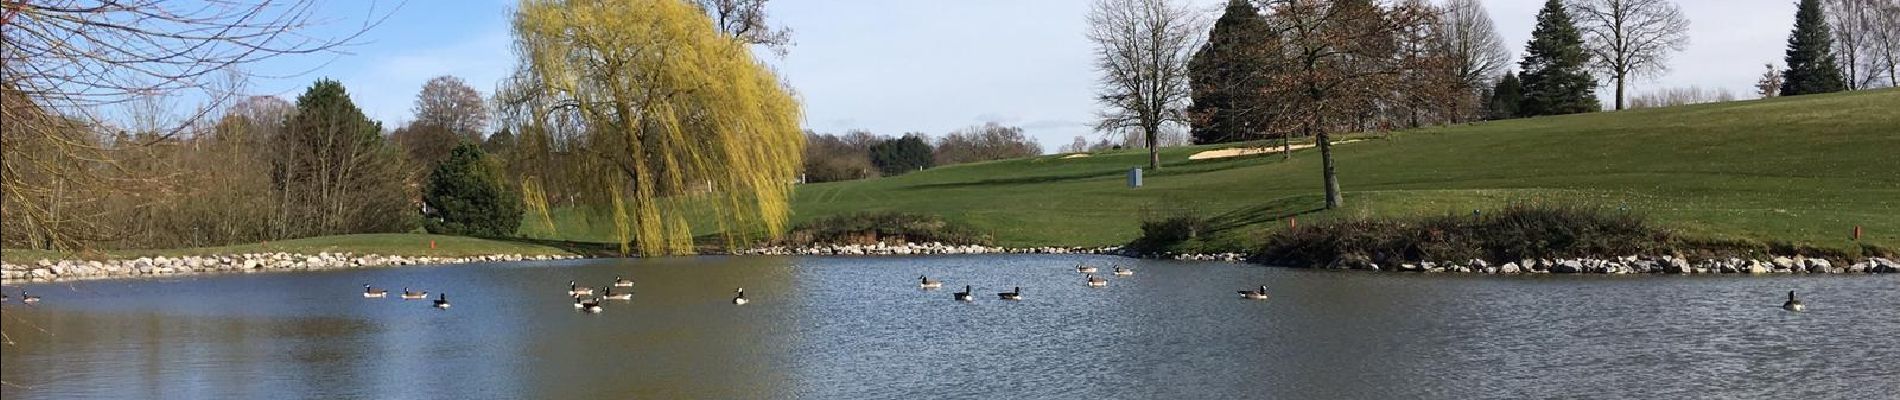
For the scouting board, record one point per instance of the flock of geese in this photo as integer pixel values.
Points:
(1088, 278)
(441, 300)
(574, 289)
(593, 304)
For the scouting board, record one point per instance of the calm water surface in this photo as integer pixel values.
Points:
(826, 328)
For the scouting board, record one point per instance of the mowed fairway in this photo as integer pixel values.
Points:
(1801, 170)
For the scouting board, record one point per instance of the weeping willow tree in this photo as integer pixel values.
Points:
(650, 115)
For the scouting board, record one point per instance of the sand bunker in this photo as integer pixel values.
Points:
(1248, 151)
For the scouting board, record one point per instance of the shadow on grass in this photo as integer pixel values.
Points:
(589, 249)
(1168, 170)
(1250, 216)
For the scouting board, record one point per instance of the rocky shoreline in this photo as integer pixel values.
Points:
(153, 267)
(1634, 265)
(906, 249)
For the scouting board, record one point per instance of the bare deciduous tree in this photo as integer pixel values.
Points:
(991, 141)
(1864, 33)
(1770, 83)
(450, 103)
(61, 61)
(1468, 34)
(746, 20)
(1680, 96)
(1887, 40)
(1630, 38)
(1343, 63)
(1142, 48)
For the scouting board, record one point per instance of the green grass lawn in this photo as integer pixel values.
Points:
(1802, 170)
(403, 244)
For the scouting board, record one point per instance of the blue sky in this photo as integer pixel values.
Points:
(928, 66)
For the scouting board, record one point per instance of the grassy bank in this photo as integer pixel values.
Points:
(1801, 171)
(402, 244)
(1785, 173)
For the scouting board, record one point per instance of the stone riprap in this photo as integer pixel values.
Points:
(152, 267)
(882, 249)
(1633, 265)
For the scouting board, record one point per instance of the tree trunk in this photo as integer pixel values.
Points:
(1154, 146)
(1286, 145)
(1327, 171)
(1619, 91)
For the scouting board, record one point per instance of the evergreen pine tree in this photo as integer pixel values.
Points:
(1504, 98)
(468, 196)
(1811, 67)
(1228, 77)
(1555, 80)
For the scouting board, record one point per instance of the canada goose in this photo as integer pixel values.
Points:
(27, 298)
(622, 282)
(442, 301)
(926, 283)
(577, 302)
(1120, 271)
(610, 295)
(964, 295)
(1016, 294)
(1084, 268)
(592, 306)
(1254, 294)
(370, 292)
(1097, 282)
(414, 295)
(740, 298)
(578, 290)
(1793, 304)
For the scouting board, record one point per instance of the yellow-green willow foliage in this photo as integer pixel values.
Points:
(660, 116)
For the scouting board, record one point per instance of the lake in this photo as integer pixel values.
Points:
(836, 327)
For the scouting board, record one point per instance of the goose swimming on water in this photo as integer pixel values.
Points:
(622, 282)
(1084, 268)
(964, 295)
(1123, 271)
(443, 301)
(28, 299)
(414, 295)
(1260, 294)
(926, 283)
(610, 295)
(1016, 294)
(591, 306)
(1793, 303)
(578, 290)
(370, 292)
(1096, 282)
(740, 299)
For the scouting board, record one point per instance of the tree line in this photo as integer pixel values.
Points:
(96, 157)
(1284, 69)
(860, 154)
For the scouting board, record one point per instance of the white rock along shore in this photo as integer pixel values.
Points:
(153, 267)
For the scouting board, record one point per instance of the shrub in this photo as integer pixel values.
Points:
(467, 196)
(901, 155)
(1517, 231)
(886, 227)
(832, 158)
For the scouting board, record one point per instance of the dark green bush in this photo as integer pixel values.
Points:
(467, 196)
